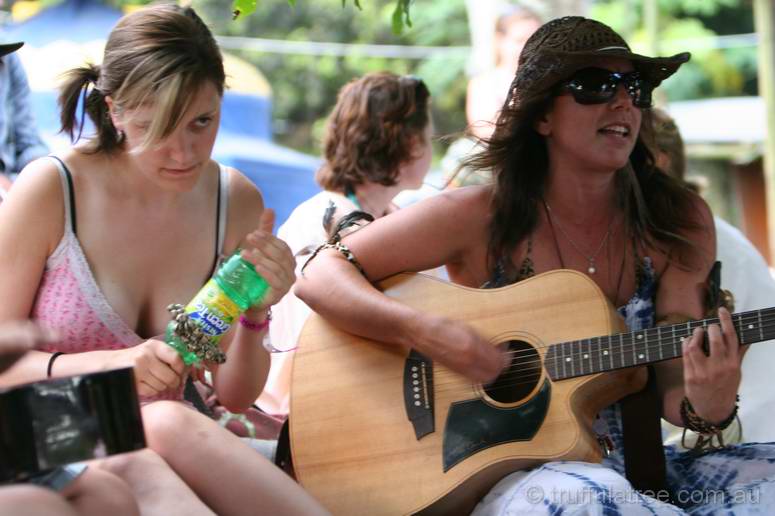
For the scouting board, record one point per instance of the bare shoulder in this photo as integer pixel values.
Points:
(468, 207)
(461, 215)
(437, 231)
(35, 201)
(245, 207)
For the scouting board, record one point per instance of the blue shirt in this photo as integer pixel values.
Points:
(20, 141)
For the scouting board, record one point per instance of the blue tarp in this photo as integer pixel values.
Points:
(79, 21)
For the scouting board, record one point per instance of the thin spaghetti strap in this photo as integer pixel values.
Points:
(221, 214)
(68, 190)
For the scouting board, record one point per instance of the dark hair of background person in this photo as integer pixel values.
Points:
(373, 129)
(161, 55)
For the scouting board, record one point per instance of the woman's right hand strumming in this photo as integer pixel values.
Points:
(459, 347)
(157, 366)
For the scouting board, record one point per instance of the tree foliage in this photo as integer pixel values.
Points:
(400, 17)
(693, 25)
(305, 86)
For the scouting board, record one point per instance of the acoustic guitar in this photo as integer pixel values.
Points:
(378, 431)
(55, 422)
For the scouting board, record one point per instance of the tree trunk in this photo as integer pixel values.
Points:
(764, 17)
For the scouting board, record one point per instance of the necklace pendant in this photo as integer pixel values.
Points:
(591, 269)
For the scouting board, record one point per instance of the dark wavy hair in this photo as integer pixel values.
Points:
(658, 209)
(160, 55)
(373, 130)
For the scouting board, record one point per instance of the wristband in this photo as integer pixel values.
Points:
(53, 357)
(254, 326)
(697, 424)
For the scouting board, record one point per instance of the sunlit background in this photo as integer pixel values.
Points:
(286, 64)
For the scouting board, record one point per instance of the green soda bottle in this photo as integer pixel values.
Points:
(234, 288)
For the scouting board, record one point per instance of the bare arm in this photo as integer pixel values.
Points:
(441, 230)
(241, 378)
(31, 224)
(31, 227)
(710, 383)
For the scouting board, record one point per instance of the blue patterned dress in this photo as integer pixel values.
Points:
(737, 480)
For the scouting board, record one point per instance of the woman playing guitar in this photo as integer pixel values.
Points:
(574, 188)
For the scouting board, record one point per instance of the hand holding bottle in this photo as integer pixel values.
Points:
(157, 366)
(238, 285)
(272, 259)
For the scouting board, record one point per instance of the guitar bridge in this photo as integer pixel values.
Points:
(418, 393)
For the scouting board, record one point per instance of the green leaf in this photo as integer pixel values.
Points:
(401, 16)
(292, 3)
(246, 7)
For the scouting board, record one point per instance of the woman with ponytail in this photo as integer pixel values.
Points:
(95, 243)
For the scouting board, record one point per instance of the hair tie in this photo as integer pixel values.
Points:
(92, 76)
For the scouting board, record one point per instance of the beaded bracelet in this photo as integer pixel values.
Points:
(707, 431)
(254, 326)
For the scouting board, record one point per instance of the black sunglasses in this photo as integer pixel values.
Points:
(598, 85)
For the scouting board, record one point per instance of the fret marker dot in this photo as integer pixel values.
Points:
(567, 359)
(641, 356)
(605, 352)
(750, 326)
(640, 336)
(586, 356)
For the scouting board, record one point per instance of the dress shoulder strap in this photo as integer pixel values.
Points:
(221, 214)
(69, 193)
(223, 208)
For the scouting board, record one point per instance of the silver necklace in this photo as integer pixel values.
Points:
(591, 268)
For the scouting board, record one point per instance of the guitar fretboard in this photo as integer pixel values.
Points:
(600, 354)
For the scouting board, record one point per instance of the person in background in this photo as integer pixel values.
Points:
(20, 142)
(487, 91)
(98, 242)
(377, 144)
(70, 490)
(745, 273)
(574, 187)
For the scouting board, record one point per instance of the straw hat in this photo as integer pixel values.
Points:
(565, 45)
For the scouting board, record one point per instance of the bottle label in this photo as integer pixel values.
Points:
(213, 310)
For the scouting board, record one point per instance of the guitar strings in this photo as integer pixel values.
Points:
(511, 374)
(629, 346)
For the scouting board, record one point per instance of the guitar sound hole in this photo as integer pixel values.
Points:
(519, 378)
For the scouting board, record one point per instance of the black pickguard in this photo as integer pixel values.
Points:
(474, 425)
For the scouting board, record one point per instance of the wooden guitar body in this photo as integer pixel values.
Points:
(353, 444)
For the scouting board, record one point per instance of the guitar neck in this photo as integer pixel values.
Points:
(601, 354)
